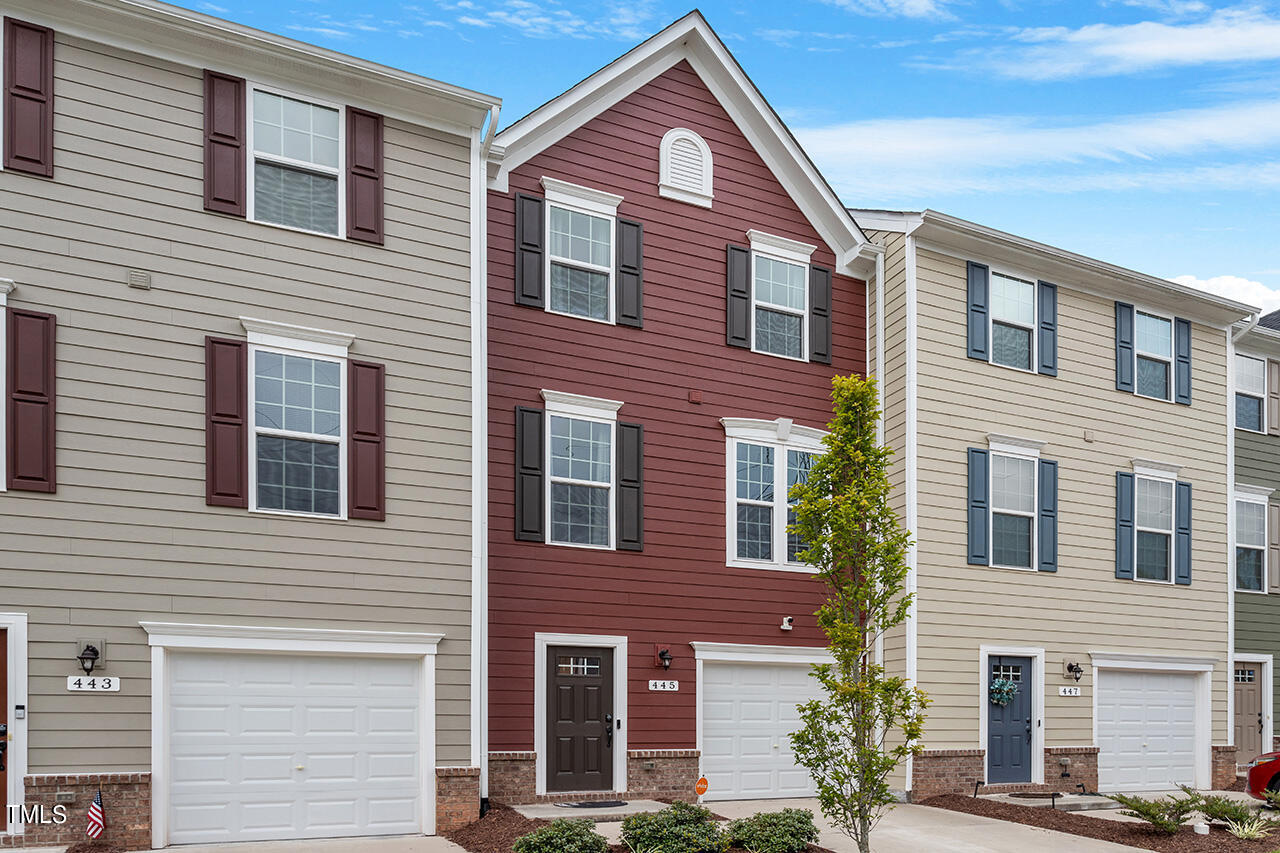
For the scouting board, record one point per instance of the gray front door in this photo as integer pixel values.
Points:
(1009, 727)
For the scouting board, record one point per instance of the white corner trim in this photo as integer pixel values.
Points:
(269, 333)
(1258, 494)
(262, 638)
(6, 287)
(560, 403)
(573, 195)
(782, 247)
(1156, 468)
(748, 653)
(1014, 445)
(779, 430)
(1159, 663)
(15, 626)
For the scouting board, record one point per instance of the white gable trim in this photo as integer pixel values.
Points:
(692, 39)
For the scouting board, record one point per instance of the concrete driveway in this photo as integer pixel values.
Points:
(921, 829)
(398, 844)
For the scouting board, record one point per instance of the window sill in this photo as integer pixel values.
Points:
(1149, 397)
(580, 317)
(687, 196)
(580, 545)
(284, 513)
(1254, 431)
(1026, 370)
(801, 359)
(770, 567)
(1252, 591)
(1169, 582)
(339, 237)
(1022, 569)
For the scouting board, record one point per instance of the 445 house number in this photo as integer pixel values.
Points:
(93, 684)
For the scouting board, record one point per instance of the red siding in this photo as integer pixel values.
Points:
(678, 589)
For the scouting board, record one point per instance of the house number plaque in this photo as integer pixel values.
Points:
(92, 684)
(663, 685)
(1068, 691)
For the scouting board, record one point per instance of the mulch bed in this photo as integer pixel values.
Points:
(1133, 834)
(499, 829)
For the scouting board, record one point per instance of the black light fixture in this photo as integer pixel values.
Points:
(88, 658)
(665, 656)
(1076, 670)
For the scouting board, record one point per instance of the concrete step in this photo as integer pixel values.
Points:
(607, 814)
(1064, 803)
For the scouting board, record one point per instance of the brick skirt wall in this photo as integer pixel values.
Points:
(668, 774)
(457, 797)
(946, 771)
(1223, 767)
(1082, 767)
(126, 806)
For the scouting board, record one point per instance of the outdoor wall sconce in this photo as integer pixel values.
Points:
(1075, 670)
(88, 659)
(664, 655)
(788, 623)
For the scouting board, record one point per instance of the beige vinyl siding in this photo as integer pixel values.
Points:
(1258, 616)
(1082, 607)
(128, 536)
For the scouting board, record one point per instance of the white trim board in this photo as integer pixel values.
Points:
(479, 463)
(6, 287)
(541, 642)
(1037, 678)
(165, 638)
(1268, 698)
(15, 625)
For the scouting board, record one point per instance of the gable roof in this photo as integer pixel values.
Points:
(1270, 321)
(691, 39)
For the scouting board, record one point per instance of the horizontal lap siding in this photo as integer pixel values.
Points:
(1081, 607)
(128, 536)
(1258, 616)
(678, 589)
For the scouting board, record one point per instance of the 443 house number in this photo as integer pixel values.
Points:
(93, 684)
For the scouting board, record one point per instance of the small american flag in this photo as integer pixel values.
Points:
(95, 817)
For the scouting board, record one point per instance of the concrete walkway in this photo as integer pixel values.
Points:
(399, 844)
(921, 829)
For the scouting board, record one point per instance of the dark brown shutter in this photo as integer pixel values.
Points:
(28, 98)
(364, 176)
(529, 490)
(738, 332)
(531, 231)
(630, 487)
(366, 477)
(1273, 397)
(1273, 547)
(224, 143)
(226, 422)
(820, 315)
(630, 273)
(32, 404)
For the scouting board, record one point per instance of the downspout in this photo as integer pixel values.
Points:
(913, 509)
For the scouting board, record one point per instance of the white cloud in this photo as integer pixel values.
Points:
(1051, 53)
(934, 9)
(1237, 288)
(922, 157)
(620, 20)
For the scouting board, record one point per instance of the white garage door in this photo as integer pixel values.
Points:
(748, 711)
(268, 747)
(1146, 730)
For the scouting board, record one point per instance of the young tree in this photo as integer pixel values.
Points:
(858, 548)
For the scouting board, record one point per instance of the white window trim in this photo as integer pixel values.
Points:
(319, 344)
(1173, 334)
(1033, 328)
(15, 624)
(1265, 662)
(1262, 398)
(1259, 495)
(541, 642)
(791, 252)
(782, 434)
(6, 287)
(167, 637)
(667, 189)
(252, 156)
(591, 202)
(1163, 474)
(1015, 448)
(1036, 654)
(1156, 469)
(581, 408)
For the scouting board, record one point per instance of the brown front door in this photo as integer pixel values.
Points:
(1249, 712)
(579, 719)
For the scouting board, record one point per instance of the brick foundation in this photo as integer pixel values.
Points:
(1223, 767)
(126, 804)
(1083, 768)
(513, 777)
(946, 771)
(457, 797)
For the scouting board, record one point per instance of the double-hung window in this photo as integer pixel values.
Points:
(1013, 510)
(581, 232)
(779, 295)
(1251, 393)
(1153, 344)
(1251, 545)
(296, 170)
(1013, 321)
(764, 462)
(1153, 529)
(581, 435)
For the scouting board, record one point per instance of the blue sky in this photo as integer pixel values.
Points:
(1141, 132)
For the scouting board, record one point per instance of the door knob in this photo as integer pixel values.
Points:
(608, 730)
(300, 767)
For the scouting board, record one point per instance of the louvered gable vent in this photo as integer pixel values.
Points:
(685, 170)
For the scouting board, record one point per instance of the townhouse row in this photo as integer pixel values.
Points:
(364, 465)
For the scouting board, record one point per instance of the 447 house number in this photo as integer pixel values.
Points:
(92, 684)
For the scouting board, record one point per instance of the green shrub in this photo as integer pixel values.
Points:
(1165, 815)
(1273, 798)
(787, 831)
(679, 828)
(1219, 809)
(563, 836)
(1252, 828)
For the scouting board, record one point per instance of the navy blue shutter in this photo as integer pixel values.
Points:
(1047, 320)
(979, 276)
(1124, 526)
(1182, 361)
(979, 508)
(1124, 347)
(1048, 516)
(1182, 535)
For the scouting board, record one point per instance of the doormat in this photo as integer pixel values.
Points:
(593, 804)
